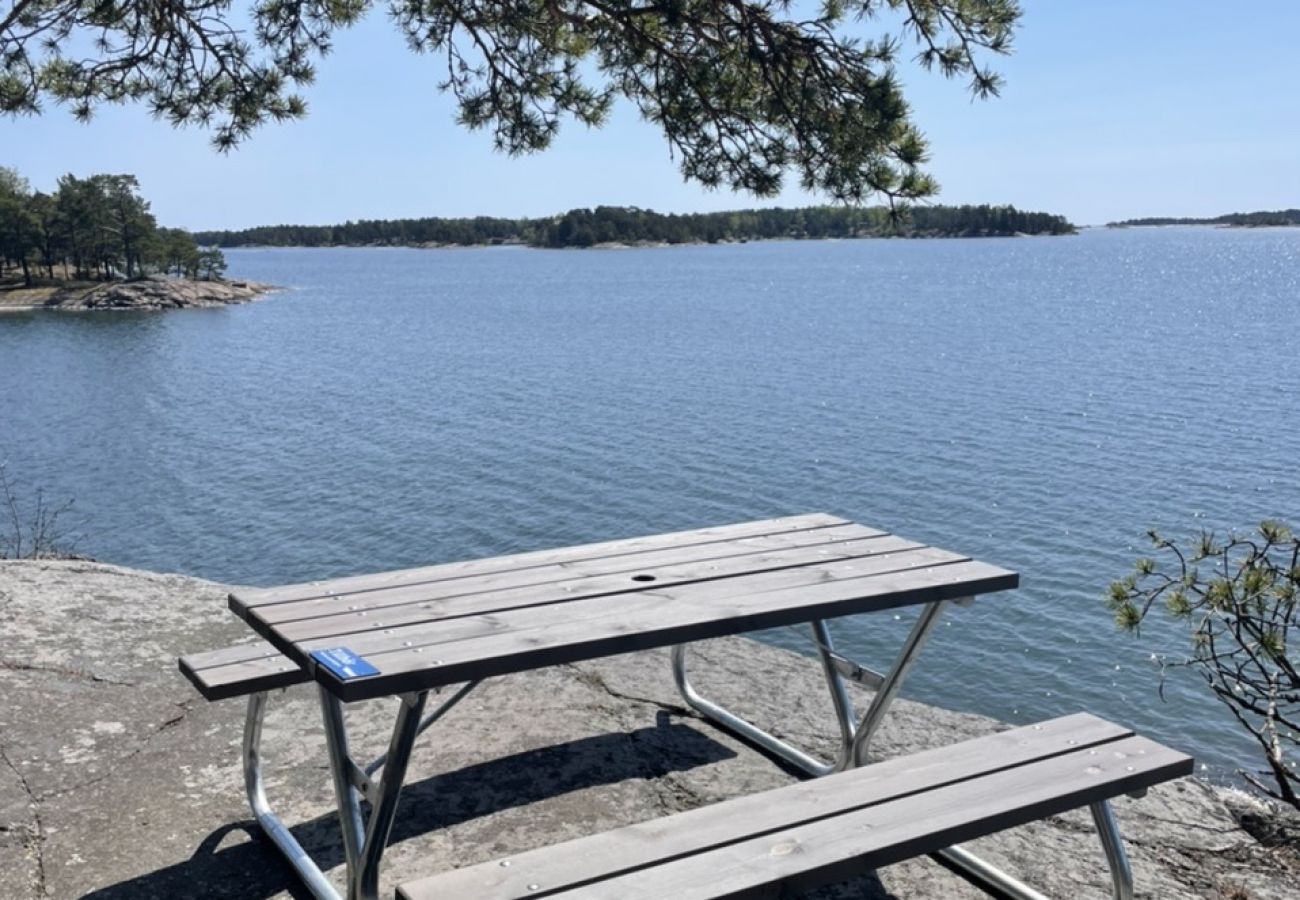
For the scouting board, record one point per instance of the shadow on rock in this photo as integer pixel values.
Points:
(254, 870)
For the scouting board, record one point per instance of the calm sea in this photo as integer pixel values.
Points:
(1035, 402)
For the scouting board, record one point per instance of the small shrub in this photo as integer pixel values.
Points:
(32, 529)
(1239, 600)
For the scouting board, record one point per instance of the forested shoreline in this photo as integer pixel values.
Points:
(1257, 219)
(631, 225)
(97, 228)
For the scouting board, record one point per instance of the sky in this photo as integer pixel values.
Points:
(1111, 110)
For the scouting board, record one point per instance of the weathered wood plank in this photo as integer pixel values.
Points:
(210, 659)
(498, 647)
(867, 837)
(881, 835)
(239, 671)
(676, 598)
(527, 581)
(431, 609)
(635, 847)
(254, 597)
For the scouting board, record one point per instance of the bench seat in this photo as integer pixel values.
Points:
(240, 670)
(828, 829)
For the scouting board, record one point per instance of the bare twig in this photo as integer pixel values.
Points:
(32, 530)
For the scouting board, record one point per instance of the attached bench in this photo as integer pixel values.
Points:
(407, 635)
(241, 670)
(842, 825)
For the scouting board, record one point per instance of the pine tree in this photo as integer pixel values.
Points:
(746, 92)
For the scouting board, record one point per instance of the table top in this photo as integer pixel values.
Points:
(438, 625)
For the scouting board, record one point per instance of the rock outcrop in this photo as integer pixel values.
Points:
(166, 293)
(149, 293)
(118, 781)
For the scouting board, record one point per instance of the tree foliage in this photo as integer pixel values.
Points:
(629, 225)
(1258, 219)
(743, 90)
(1239, 598)
(19, 227)
(95, 227)
(211, 263)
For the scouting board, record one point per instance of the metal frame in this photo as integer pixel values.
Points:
(364, 837)
(856, 735)
(992, 878)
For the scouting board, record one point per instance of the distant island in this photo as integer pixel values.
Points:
(631, 226)
(93, 244)
(1260, 219)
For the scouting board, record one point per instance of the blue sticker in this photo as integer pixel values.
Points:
(344, 663)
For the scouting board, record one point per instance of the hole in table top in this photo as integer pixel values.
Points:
(643, 578)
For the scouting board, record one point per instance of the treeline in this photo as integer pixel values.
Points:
(630, 225)
(380, 232)
(1259, 219)
(96, 228)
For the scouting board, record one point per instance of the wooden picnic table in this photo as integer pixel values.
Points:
(410, 632)
(429, 627)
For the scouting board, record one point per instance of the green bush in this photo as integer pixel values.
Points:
(1238, 599)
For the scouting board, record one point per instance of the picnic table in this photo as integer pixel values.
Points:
(409, 633)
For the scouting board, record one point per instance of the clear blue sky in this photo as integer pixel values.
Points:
(1111, 110)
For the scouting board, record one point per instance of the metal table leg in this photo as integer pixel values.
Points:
(346, 792)
(1121, 874)
(307, 870)
(855, 736)
(892, 682)
(364, 838)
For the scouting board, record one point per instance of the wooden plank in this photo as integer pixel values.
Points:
(700, 609)
(571, 574)
(240, 678)
(856, 843)
(829, 848)
(250, 598)
(254, 649)
(635, 847)
(385, 635)
(495, 646)
(434, 609)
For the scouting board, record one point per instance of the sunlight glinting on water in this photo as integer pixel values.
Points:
(1038, 403)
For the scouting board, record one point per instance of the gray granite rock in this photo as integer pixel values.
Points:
(156, 292)
(118, 781)
(168, 293)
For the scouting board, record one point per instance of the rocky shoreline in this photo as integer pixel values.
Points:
(149, 293)
(118, 781)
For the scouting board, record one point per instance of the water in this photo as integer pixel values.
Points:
(1037, 403)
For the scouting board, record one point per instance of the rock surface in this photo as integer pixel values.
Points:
(118, 781)
(150, 293)
(170, 294)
